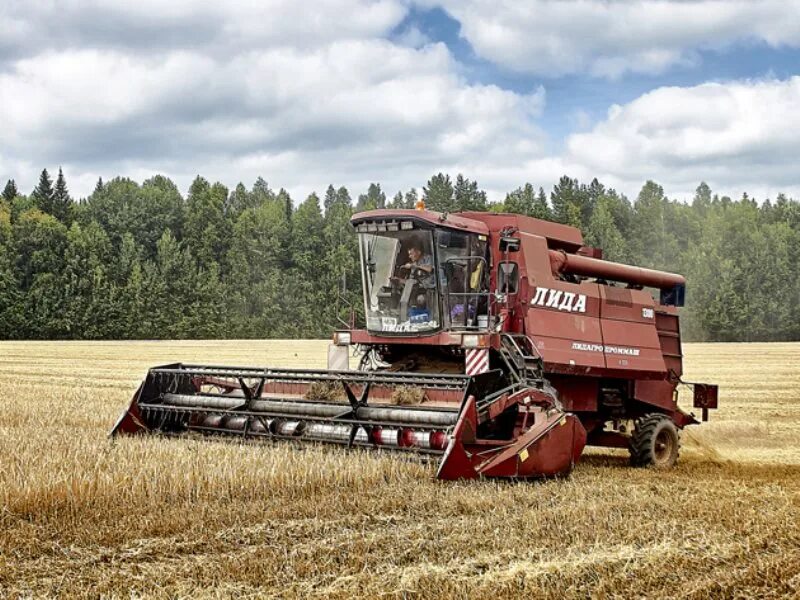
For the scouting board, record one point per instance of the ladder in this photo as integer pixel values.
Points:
(523, 361)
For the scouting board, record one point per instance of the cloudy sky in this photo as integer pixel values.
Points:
(352, 91)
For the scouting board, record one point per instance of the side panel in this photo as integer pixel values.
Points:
(558, 314)
(563, 319)
(536, 259)
(632, 347)
(629, 331)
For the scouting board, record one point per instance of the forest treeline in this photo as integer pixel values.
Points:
(136, 261)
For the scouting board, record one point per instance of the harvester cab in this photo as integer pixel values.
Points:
(498, 343)
(419, 278)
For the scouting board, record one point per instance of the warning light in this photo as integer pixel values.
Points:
(420, 205)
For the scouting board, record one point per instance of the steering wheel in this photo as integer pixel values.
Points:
(417, 273)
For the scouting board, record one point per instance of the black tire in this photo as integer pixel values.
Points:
(655, 442)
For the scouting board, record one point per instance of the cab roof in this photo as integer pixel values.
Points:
(430, 217)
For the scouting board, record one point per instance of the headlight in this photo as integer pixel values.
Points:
(341, 338)
(472, 340)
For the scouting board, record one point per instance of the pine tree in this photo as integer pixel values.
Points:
(649, 232)
(702, 198)
(206, 229)
(343, 197)
(374, 198)
(61, 199)
(521, 200)
(602, 232)
(341, 254)
(439, 193)
(303, 284)
(10, 191)
(43, 193)
(541, 210)
(238, 201)
(98, 187)
(397, 201)
(135, 320)
(261, 193)
(307, 241)
(285, 200)
(567, 202)
(170, 288)
(467, 196)
(330, 198)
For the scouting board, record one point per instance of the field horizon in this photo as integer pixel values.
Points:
(85, 515)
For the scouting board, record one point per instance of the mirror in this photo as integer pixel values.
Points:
(509, 244)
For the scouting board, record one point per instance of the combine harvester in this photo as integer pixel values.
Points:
(498, 342)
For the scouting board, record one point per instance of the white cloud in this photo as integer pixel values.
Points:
(611, 37)
(738, 136)
(351, 110)
(413, 37)
(238, 90)
(232, 26)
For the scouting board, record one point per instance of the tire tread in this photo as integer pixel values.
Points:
(643, 434)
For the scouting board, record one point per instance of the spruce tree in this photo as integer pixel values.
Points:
(374, 198)
(330, 198)
(648, 228)
(541, 210)
(341, 255)
(602, 232)
(285, 200)
(61, 199)
(43, 193)
(439, 193)
(566, 200)
(521, 200)
(10, 191)
(206, 232)
(309, 268)
(238, 201)
(411, 198)
(467, 196)
(397, 201)
(261, 193)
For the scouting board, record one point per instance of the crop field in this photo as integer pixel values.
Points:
(83, 515)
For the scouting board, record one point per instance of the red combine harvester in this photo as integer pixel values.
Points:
(498, 342)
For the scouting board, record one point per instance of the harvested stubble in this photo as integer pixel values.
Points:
(80, 514)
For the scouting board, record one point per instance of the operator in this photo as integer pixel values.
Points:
(421, 261)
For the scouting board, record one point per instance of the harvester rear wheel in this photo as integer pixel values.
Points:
(655, 442)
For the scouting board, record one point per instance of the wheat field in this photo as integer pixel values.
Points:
(83, 515)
